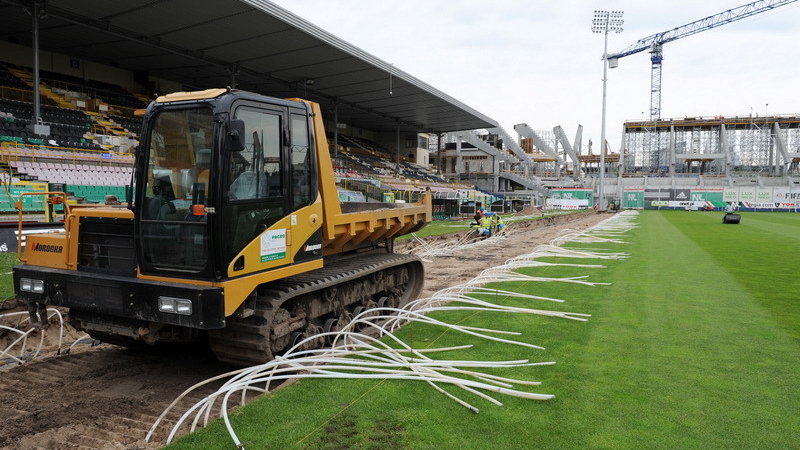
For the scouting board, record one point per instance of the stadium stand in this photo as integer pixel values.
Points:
(131, 124)
(68, 127)
(86, 174)
(367, 172)
(77, 151)
(362, 143)
(7, 79)
(111, 94)
(70, 154)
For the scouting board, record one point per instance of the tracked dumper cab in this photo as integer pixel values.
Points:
(234, 233)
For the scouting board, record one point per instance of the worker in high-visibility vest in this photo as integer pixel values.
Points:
(498, 222)
(486, 226)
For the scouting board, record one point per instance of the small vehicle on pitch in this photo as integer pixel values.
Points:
(233, 233)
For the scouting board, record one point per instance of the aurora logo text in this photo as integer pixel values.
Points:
(47, 248)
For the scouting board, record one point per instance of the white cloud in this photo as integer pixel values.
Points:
(538, 62)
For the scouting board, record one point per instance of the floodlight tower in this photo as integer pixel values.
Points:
(603, 22)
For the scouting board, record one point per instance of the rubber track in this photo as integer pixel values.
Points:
(246, 341)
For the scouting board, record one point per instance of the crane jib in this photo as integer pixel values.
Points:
(706, 23)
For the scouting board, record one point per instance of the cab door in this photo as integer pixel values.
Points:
(273, 212)
(255, 182)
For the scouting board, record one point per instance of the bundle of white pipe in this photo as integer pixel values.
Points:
(19, 350)
(469, 240)
(354, 354)
(426, 250)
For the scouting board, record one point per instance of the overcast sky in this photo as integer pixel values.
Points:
(538, 61)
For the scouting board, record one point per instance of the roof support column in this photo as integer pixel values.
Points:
(495, 174)
(438, 153)
(336, 130)
(36, 100)
(459, 164)
(672, 150)
(621, 152)
(233, 71)
(397, 147)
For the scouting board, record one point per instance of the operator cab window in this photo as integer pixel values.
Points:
(173, 220)
(255, 172)
(302, 178)
(180, 159)
(256, 189)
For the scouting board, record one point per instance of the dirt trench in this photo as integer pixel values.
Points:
(463, 265)
(108, 397)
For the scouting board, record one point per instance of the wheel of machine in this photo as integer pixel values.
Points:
(358, 310)
(331, 325)
(383, 302)
(295, 339)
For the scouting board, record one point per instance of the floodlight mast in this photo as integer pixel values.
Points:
(603, 22)
(654, 43)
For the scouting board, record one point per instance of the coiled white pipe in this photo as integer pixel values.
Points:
(22, 341)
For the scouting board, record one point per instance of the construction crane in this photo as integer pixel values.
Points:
(655, 42)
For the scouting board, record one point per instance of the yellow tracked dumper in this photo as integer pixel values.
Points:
(233, 233)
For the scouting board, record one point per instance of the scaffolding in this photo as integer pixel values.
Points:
(764, 146)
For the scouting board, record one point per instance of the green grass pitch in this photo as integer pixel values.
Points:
(696, 344)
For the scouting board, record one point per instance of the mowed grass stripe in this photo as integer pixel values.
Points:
(678, 354)
(762, 253)
(786, 229)
(688, 359)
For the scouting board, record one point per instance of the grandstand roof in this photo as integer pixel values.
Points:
(198, 42)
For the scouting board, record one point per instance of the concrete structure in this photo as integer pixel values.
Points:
(728, 146)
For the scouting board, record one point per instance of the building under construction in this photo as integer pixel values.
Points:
(765, 146)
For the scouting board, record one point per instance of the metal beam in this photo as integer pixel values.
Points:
(36, 100)
(438, 153)
(397, 155)
(706, 23)
(672, 159)
(526, 131)
(562, 138)
(511, 144)
(724, 147)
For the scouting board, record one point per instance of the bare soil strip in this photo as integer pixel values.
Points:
(442, 272)
(108, 397)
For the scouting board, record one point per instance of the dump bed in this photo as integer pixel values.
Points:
(347, 225)
(360, 222)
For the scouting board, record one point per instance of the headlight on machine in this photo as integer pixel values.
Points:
(26, 284)
(30, 285)
(174, 305)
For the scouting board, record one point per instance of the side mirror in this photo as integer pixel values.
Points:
(234, 135)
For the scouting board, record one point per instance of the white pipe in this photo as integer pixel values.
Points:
(356, 355)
